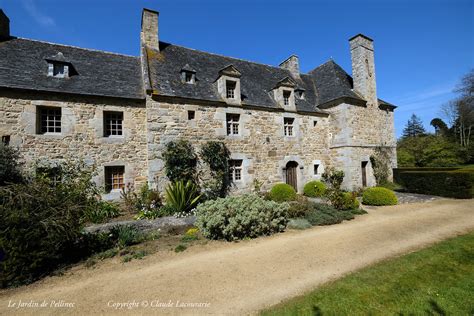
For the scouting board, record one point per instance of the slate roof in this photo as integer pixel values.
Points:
(256, 81)
(23, 65)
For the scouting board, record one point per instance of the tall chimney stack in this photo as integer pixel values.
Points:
(4, 25)
(292, 64)
(149, 33)
(363, 67)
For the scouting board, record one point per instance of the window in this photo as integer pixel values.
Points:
(235, 170)
(286, 97)
(288, 126)
(58, 70)
(113, 122)
(233, 124)
(315, 123)
(6, 140)
(114, 178)
(53, 174)
(230, 89)
(191, 115)
(188, 77)
(316, 167)
(299, 94)
(49, 120)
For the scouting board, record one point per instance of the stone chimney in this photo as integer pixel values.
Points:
(4, 25)
(149, 33)
(292, 64)
(363, 67)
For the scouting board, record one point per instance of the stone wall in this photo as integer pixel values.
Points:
(261, 145)
(82, 132)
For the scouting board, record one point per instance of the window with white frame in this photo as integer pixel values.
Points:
(188, 77)
(114, 178)
(235, 170)
(230, 89)
(49, 120)
(316, 167)
(232, 124)
(113, 124)
(288, 126)
(286, 97)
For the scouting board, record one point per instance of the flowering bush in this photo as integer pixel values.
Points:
(238, 217)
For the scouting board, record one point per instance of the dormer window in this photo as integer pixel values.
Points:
(230, 89)
(284, 94)
(58, 70)
(299, 94)
(188, 75)
(228, 85)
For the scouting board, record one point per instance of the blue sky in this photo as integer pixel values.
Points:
(422, 47)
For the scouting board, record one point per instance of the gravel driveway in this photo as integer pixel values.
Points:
(241, 278)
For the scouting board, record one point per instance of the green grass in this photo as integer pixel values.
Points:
(434, 281)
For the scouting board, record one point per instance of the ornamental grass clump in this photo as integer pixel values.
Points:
(239, 217)
(379, 196)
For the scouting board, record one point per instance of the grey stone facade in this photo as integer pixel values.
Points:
(312, 121)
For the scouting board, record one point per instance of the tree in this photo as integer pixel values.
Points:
(460, 111)
(414, 127)
(440, 126)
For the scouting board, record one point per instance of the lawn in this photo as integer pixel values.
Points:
(438, 280)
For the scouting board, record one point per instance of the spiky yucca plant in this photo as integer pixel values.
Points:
(182, 197)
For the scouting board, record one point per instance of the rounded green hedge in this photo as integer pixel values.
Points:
(282, 192)
(379, 196)
(314, 189)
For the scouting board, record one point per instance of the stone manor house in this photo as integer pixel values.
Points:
(60, 102)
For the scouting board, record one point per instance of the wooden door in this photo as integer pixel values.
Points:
(291, 174)
(364, 173)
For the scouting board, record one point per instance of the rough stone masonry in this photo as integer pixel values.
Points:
(117, 112)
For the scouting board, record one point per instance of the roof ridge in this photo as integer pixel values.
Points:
(77, 47)
(220, 55)
(329, 61)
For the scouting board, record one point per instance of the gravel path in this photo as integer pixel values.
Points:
(241, 278)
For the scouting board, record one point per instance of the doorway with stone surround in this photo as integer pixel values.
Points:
(292, 174)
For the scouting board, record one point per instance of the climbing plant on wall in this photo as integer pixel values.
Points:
(216, 156)
(380, 161)
(180, 161)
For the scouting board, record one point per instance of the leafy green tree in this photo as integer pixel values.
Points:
(9, 166)
(440, 126)
(414, 127)
(428, 151)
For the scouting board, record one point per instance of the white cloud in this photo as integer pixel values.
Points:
(38, 16)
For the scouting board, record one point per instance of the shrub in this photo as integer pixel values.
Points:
(298, 209)
(180, 161)
(191, 234)
(40, 223)
(298, 223)
(238, 217)
(323, 214)
(101, 211)
(314, 189)
(10, 171)
(147, 202)
(381, 163)
(350, 201)
(379, 196)
(181, 197)
(335, 195)
(126, 235)
(451, 183)
(282, 192)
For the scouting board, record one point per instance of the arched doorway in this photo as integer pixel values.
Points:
(291, 174)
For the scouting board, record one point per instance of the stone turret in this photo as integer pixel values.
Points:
(149, 34)
(363, 67)
(4, 25)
